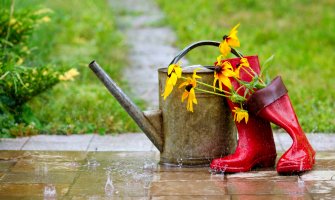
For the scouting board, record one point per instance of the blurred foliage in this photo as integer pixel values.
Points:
(80, 31)
(19, 82)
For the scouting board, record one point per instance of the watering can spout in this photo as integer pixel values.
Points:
(149, 122)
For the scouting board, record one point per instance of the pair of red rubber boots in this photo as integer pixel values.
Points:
(256, 147)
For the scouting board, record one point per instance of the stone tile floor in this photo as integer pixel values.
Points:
(80, 171)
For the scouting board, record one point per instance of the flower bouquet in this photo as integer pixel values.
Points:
(254, 104)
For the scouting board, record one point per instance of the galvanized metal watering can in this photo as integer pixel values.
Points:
(182, 137)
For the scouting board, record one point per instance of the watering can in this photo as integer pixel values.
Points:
(182, 137)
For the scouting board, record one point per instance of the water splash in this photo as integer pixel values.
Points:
(109, 187)
(212, 171)
(92, 161)
(50, 192)
(134, 177)
(180, 162)
(223, 169)
(218, 170)
(301, 183)
(147, 182)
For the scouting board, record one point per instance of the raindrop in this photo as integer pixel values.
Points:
(49, 192)
(301, 183)
(149, 165)
(147, 178)
(180, 162)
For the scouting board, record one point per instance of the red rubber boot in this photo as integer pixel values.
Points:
(277, 108)
(256, 145)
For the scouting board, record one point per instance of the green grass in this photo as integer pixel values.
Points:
(299, 33)
(80, 31)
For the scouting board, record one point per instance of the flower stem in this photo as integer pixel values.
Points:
(209, 92)
(207, 85)
(249, 72)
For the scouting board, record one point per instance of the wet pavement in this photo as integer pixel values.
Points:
(137, 175)
(94, 171)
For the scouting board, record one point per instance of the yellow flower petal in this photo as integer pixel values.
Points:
(183, 84)
(218, 59)
(240, 114)
(173, 79)
(178, 71)
(184, 96)
(225, 81)
(224, 48)
(170, 68)
(232, 38)
(168, 89)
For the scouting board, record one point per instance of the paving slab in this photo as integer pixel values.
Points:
(58, 142)
(10, 144)
(122, 142)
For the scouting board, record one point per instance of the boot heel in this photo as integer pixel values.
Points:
(268, 161)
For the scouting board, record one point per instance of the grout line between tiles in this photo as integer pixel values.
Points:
(24, 144)
(89, 143)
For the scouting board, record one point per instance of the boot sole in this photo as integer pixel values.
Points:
(296, 167)
(264, 162)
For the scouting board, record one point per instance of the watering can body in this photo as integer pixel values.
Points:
(195, 138)
(182, 137)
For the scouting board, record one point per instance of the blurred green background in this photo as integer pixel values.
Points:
(56, 36)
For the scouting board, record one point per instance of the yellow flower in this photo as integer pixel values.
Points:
(12, 21)
(222, 73)
(45, 19)
(189, 93)
(69, 75)
(229, 41)
(243, 63)
(20, 61)
(174, 72)
(240, 114)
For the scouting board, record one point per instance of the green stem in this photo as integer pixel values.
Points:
(8, 28)
(246, 71)
(209, 92)
(207, 85)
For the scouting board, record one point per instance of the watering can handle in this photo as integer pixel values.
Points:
(183, 52)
